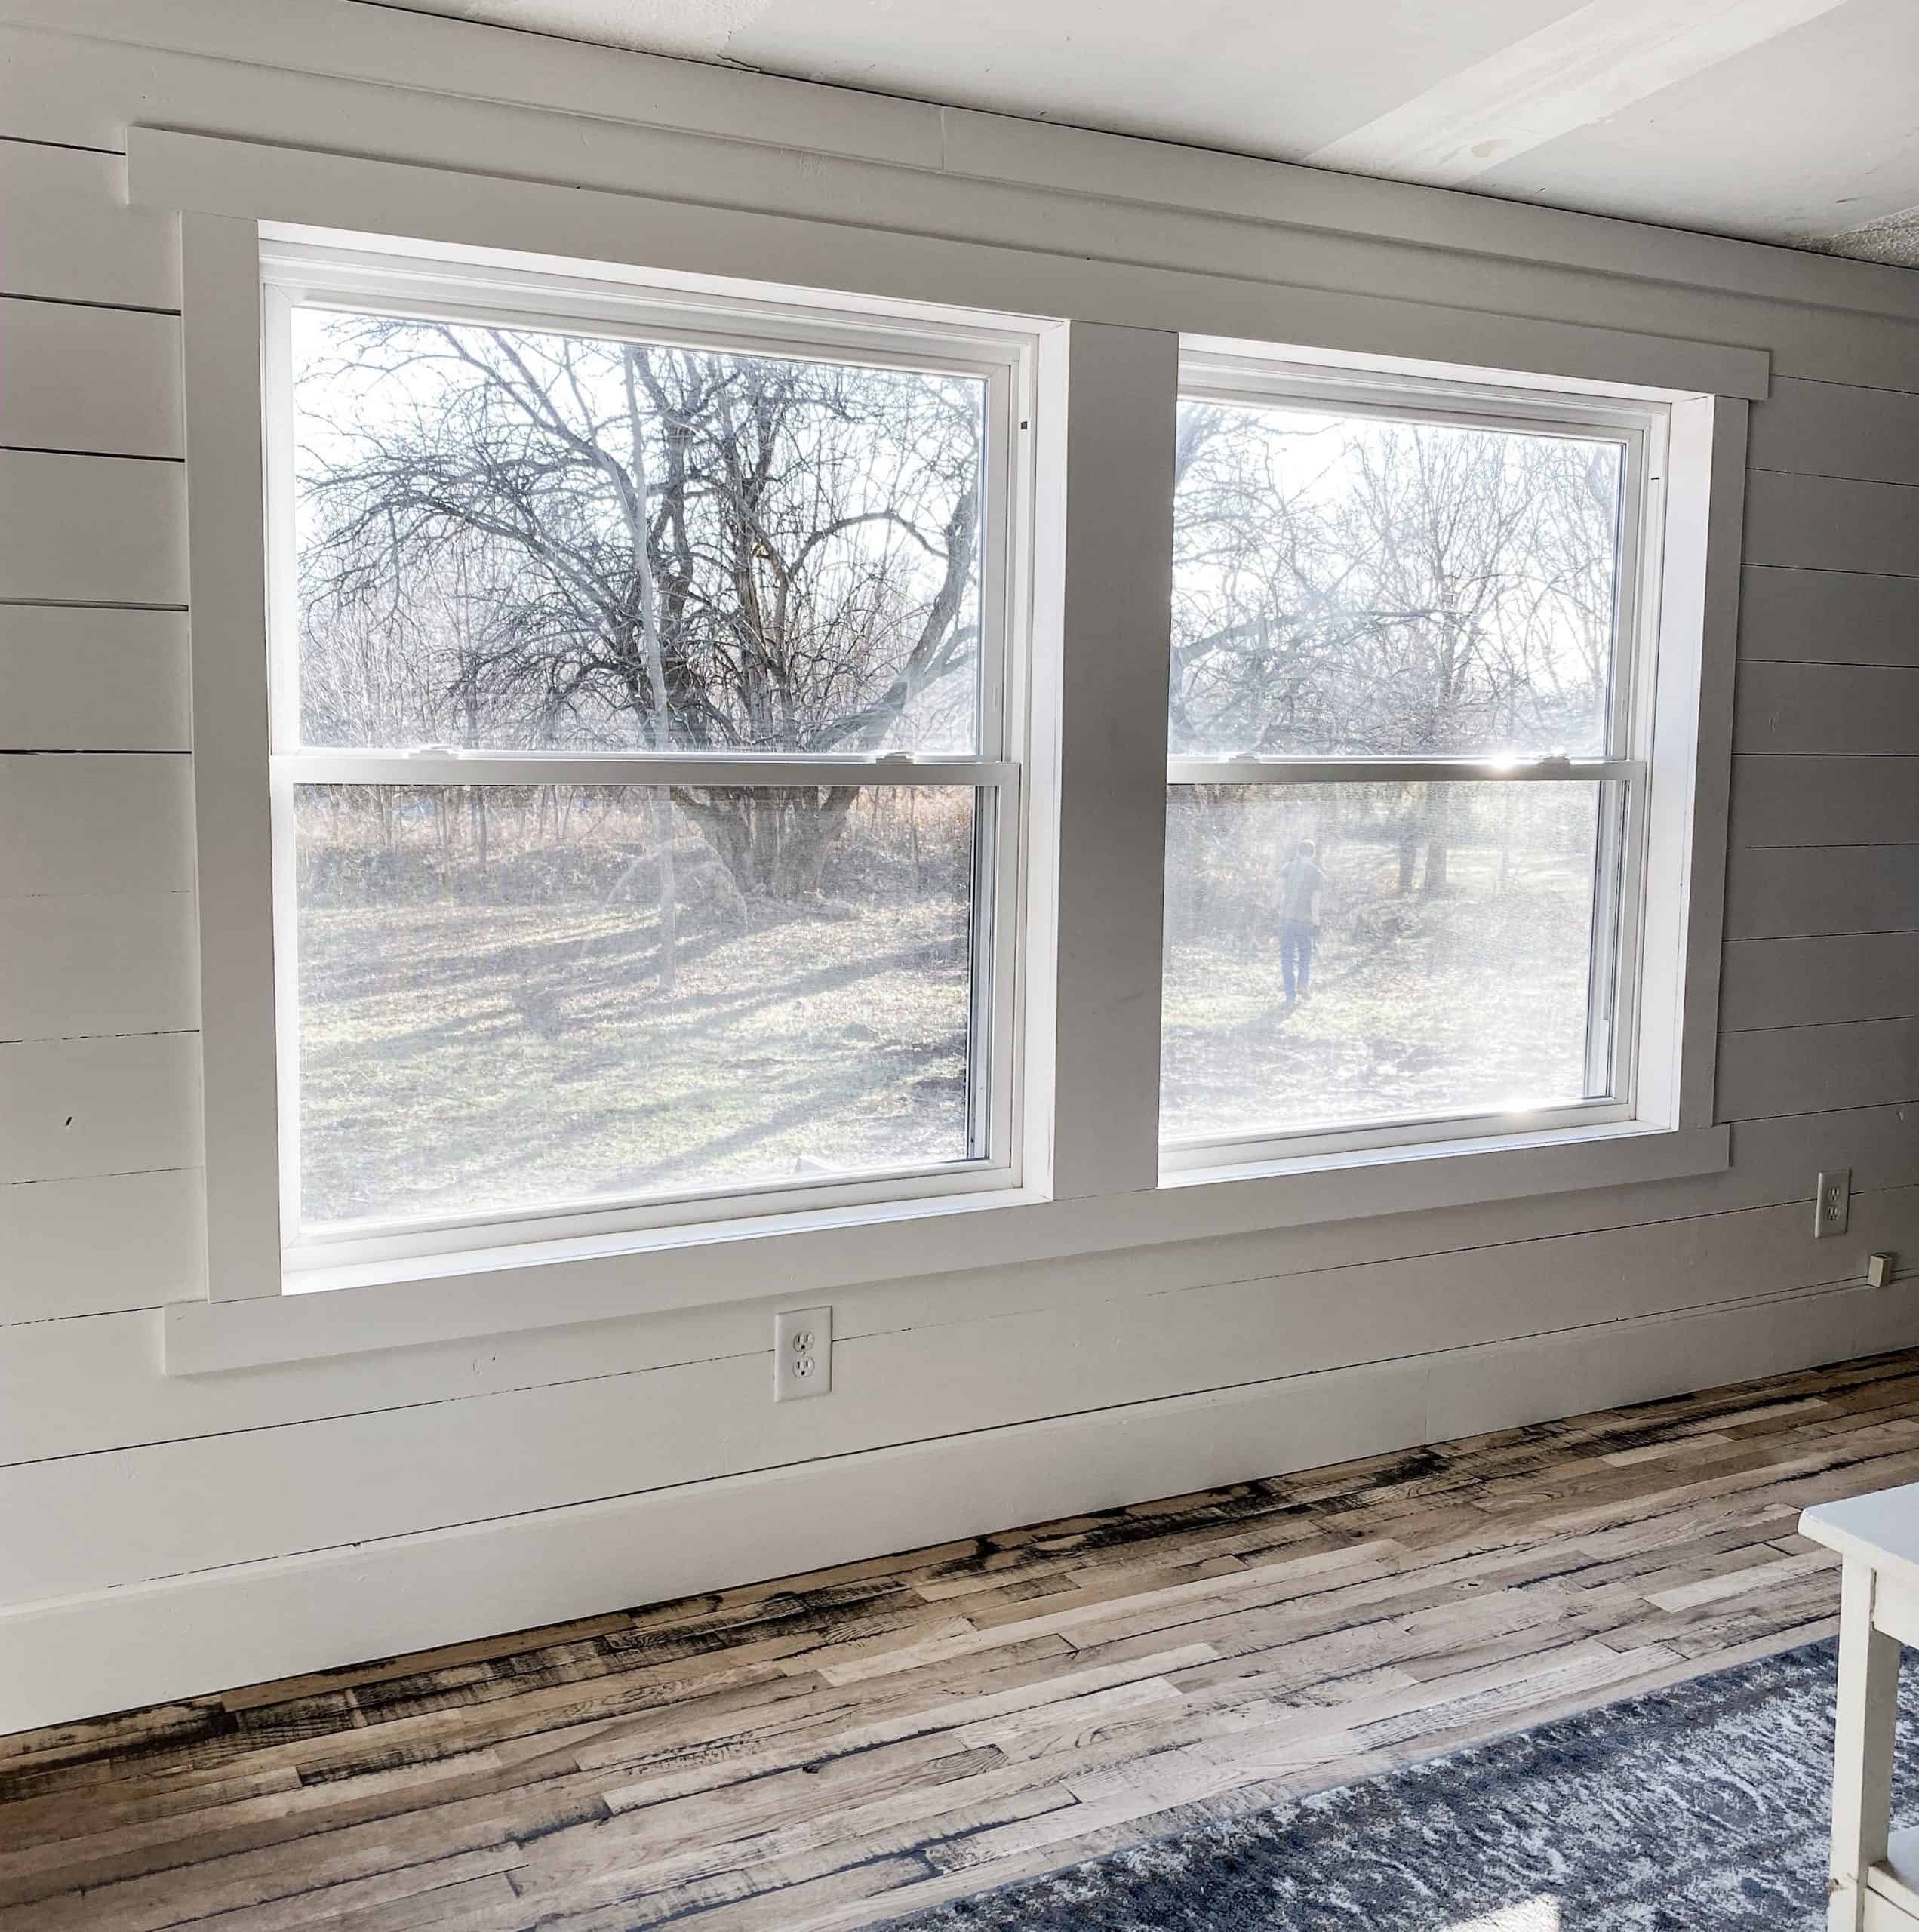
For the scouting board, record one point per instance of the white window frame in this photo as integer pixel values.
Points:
(1098, 558)
(1615, 1037)
(303, 275)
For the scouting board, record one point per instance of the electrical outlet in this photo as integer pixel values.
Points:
(802, 1354)
(1832, 1203)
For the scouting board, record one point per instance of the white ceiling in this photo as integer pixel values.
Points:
(1790, 121)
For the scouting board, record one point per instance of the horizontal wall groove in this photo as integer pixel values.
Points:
(1831, 476)
(1829, 664)
(64, 1039)
(29, 1323)
(1825, 933)
(1834, 382)
(1827, 569)
(1832, 1109)
(1820, 938)
(1814, 1026)
(84, 302)
(95, 456)
(1830, 844)
(86, 604)
(62, 147)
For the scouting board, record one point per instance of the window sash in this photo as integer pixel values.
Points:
(994, 1121)
(1254, 383)
(1612, 972)
(1216, 374)
(295, 276)
(370, 282)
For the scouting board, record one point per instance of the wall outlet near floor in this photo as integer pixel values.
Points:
(802, 1354)
(1832, 1203)
(1879, 1270)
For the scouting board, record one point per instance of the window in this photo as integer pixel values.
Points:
(723, 744)
(1409, 740)
(645, 824)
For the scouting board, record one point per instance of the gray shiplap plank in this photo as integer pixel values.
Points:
(71, 236)
(73, 1108)
(1813, 1069)
(89, 1246)
(1804, 982)
(1859, 710)
(1827, 617)
(79, 963)
(111, 824)
(1809, 891)
(91, 530)
(1819, 800)
(103, 380)
(100, 680)
(1832, 523)
(1836, 429)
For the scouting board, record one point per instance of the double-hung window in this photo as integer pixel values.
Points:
(1411, 711)
(644, 714)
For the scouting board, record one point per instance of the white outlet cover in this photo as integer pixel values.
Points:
(802, 1354)
(1832, 1205)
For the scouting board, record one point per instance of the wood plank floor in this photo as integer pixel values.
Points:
(830, 1751)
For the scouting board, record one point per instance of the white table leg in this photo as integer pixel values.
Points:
(1862, 1775)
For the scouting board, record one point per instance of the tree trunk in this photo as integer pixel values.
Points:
(1439, 824)
(476, 809)
(809, 829)
(773, 841)
(655, 671)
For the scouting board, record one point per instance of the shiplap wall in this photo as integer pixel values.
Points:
(161, 1535)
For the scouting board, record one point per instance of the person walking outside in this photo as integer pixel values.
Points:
(1301, 881)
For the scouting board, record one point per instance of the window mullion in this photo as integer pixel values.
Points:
(1104, 602)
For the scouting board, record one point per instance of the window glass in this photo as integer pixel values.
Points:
(494, 1016)
(1348, 955)
(514, 538)
(1368, 585)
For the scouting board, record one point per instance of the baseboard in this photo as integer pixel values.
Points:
(213, 1630)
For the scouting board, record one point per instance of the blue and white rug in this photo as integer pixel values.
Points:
(1703, 1806)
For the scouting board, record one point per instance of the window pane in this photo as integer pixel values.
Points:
(513, 539)
(497, 1013)
(1430, 956)
(1351, 585)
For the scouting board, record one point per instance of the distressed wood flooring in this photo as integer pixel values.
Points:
(829, 1750)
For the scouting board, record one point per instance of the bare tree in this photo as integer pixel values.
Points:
(1354, 585)
(683, 550)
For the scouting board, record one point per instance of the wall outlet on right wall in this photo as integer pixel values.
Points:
(1832, 1203)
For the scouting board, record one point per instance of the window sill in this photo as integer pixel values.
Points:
(507, 1291)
